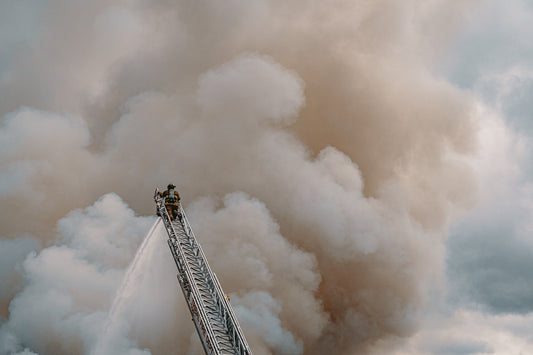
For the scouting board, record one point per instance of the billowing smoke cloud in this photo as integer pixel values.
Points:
(70, 285)
(12, 252)
(320, 159)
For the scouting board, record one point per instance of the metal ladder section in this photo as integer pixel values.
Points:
(211, 311)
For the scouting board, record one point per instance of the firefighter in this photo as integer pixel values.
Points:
(172, 199)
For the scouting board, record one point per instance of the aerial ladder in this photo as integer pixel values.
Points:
(212, 315)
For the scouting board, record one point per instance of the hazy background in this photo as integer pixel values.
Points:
(358, 173)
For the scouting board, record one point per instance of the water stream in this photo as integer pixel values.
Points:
(114, 334)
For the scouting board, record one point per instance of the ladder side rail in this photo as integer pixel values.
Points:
(196, 307)
(186, 289)
(229, 317)
(232, 323)
(206, 267)
(193, 306)
(194, 299)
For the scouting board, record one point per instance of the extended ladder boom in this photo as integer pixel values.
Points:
(211, 311)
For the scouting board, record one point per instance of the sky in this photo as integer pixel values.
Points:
(358, 173)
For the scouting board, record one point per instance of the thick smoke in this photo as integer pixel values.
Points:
(319, 157)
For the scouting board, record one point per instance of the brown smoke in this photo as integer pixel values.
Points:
(321, 152)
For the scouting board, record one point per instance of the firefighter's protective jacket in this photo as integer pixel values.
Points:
(171, 197)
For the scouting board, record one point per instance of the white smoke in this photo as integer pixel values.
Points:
(69, 286)
(12, 252)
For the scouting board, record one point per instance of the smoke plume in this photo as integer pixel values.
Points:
(319, 157)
